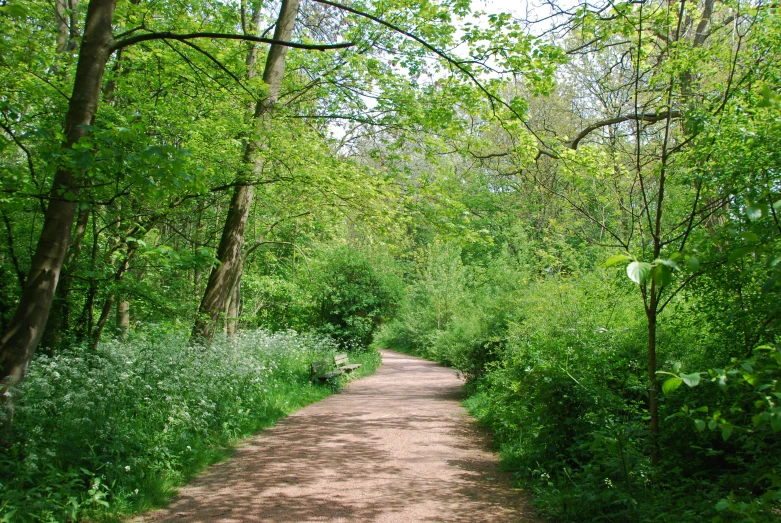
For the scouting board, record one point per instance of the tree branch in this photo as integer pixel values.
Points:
(220, 65)
(166, 35)
(645, 117)
(20, 274)
(458, 64)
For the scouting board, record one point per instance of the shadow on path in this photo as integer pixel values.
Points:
(393, 447)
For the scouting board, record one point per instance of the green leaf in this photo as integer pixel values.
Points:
(699, 424)
(638, 272)
(616, 259)
(671, 385)
(519, 106)
(662, 275)
(693, 263)
(15, 10)
(726, 432)
(692, 380)
(754, 212)
(749, 236)
(667, 263)
(769, 284)
(739, 253)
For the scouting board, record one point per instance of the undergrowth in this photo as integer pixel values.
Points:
(104, 433)
(560, 380)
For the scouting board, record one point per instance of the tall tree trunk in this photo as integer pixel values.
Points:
(233, 305)
(84, 324)
(65, 17)
(222, 279)
(59, 319)
(234, 310)
(63, 25)
(653, 385)
(19, 341)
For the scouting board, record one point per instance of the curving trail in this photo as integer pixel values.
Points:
(394, 447)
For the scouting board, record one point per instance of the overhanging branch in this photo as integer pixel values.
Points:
(166, 35)
(645, 117)
(461, 65)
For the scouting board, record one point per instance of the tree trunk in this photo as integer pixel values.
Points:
(66, 24)
(109, 303)
(220, 284)
(58, 322)
(123, 318)
(233, 307)
(653, 386)
(59, 319)
(63, 26)
(105, 312)
(84, 324)
(224, 276)
(21, 338)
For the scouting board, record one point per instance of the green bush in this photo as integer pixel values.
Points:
(356, 292)
(736, 411)
(567, 404)
(114, 430)
(454, 313)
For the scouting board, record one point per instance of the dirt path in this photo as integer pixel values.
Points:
(393, 447)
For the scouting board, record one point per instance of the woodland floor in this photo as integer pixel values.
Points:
(394, 447)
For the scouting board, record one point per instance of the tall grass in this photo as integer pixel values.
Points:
(102, 433)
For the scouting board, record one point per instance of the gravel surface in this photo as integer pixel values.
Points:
(394, 447)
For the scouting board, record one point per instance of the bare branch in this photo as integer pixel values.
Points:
(645, 117)
(166, 35)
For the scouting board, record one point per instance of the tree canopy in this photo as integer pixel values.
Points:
(576, 206)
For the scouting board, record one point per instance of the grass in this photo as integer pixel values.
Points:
(102, 434)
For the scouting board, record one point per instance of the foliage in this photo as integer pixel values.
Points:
(115, 430)
(566, 404)
(355, 292)
(454, 313)
(746, 415)
(581, 214)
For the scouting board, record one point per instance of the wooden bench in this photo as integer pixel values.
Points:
(332, 367)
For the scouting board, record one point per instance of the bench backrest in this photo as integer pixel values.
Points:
(340, 359)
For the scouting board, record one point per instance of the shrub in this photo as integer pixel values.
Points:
(356, 292)
(113, 430)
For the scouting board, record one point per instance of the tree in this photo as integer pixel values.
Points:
(21, 337)
(637, 183)
(225, 276)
